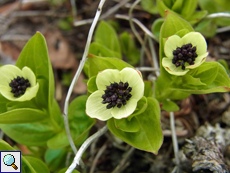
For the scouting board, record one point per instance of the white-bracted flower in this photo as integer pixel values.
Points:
(183, 54)
(117, 95)
(16, 84)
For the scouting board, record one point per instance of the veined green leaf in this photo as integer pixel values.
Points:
(97, 64)
(35, 56)
(149, 137)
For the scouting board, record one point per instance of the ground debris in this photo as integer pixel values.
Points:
(205, 155)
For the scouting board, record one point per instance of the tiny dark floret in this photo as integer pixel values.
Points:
(19, 85)
(184, 54)
(116, 94)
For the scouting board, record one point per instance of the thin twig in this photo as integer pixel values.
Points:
(79, 70)
(223, 29)
(123, 161)
(104, 16)
(74, 9)
(154, 55)
(114, 9)
(216, 15)
(174, 138)
(131, 21)
(84, 147)
(147, 69)
(146, 30)
(142, 53)
(135, 31)
(99, 153)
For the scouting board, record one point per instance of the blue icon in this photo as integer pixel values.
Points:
(9, 160)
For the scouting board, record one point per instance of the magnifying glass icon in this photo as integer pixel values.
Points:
(9, 160)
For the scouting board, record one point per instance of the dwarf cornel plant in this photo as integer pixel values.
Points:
(117, 92)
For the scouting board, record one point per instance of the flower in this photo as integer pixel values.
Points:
(183, 54)
(117, 95)
(17, 84)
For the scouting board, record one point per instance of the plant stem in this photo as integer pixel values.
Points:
(174, 138)
(216, 15)
(148, 32)
(154, 55)
(84, 147)
(79, 70)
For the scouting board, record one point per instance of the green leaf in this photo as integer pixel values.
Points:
(129, 48)
(56, 159)
(37, 164)
(148, 92)
(79, 123)
(188, 9)
(101, 50)
(192, 81)
(150, 6)
(170, 106)
(197, 16)
(107, 36)
(163, 6)
(157, 26)
(35, 56)
(56, 116)
(127, 126)
(212, 74)
(178, 6)
(217, 6)
(149, 137)
(97, 64)
(207, 28)
(182, 32)
(31, 134)
(209, 5)
(23, 115)
(206, 72)
(91, 84)
(175, 23)
(141, 107)
(224, 64)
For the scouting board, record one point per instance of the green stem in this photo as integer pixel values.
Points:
(55, 125)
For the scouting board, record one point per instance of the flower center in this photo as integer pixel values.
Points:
(183, 54)
(19, 85)
(117, 94)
